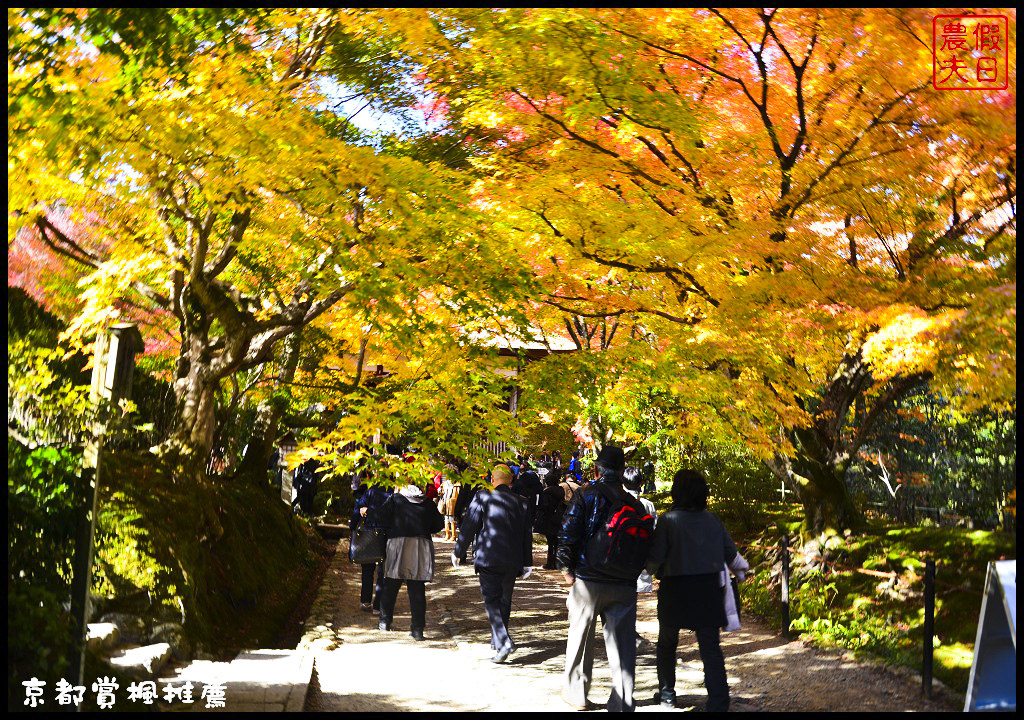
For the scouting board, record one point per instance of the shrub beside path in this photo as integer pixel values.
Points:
(361, 669)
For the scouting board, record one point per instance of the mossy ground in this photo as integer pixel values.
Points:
(230, 556)
(864, 592)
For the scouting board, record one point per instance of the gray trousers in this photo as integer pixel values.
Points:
(616, 606)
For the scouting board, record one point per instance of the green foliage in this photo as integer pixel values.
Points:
(44, 497)
(935, 456)
(28, 320)
(864, 592)
(186, 548)
(153, 401)
(543, 437)
(153, 540)
(741, 487)
(334, 497)
(44, 404)
(141, 38)
(450, 405)
(47, 388)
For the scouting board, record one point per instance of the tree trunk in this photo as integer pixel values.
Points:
(600, 432)
(190, 442)
(192, 425)
(268, 416)
(817, 471)
(820, 484)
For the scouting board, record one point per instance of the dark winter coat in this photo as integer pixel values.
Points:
(529, 486)
(690, 542)
(373, 498)
(401, 517)
(587, 512)
(550, 511)
(691, 549)
(465, 499)
(499, 523)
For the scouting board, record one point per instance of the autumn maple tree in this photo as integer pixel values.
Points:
(769, 218)
(803, 227)
(198, 166)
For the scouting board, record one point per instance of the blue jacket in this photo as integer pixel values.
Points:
(372, 499)
(575, 468)
(587, 511)
(499, 521)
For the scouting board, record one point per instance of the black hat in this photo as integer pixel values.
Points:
(612, 457)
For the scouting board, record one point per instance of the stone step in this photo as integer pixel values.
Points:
(101, 637)
(329, 531)
(141, 661)
(255, 681)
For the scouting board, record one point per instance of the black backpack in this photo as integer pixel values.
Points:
(620, 545)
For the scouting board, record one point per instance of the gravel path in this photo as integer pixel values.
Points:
(359, 668)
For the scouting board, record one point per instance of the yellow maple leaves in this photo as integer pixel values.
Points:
(906, 342)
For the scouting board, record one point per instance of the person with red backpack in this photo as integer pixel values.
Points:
(603, 546)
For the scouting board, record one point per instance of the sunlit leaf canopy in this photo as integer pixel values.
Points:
(710, 171)
(206, 184)
(751, 205)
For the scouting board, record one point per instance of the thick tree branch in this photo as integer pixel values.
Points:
(260, 347)
(570, 328)
(74, 251)
(66, 246)
(877, 118)
(239, 223)
(898, 388)
(669, 271)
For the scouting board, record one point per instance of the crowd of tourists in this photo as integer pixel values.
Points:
(601, 533)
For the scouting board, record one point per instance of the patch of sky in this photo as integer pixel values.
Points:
(362, 112)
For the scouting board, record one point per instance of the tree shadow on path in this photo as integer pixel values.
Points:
(369, 670)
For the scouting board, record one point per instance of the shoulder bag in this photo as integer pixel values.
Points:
(367, 545)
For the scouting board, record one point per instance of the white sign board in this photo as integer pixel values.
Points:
(287, 492)
(993, 682)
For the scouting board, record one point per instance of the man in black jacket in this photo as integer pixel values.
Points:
(529, 486)
(499, 522)
(597, 593)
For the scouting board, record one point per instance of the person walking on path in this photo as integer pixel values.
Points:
(450, 487)
(596, 590)
(409, 520)
(372, 498)
(550, 510)
(569, 487)
(691, 549)
(576, 467)
(529, 486)
(632, 481)
(498, 523)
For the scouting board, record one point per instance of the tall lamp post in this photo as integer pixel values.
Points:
(288, 446)
(113, 367)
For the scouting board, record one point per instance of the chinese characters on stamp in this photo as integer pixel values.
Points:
(970, 52)
(105, 691)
